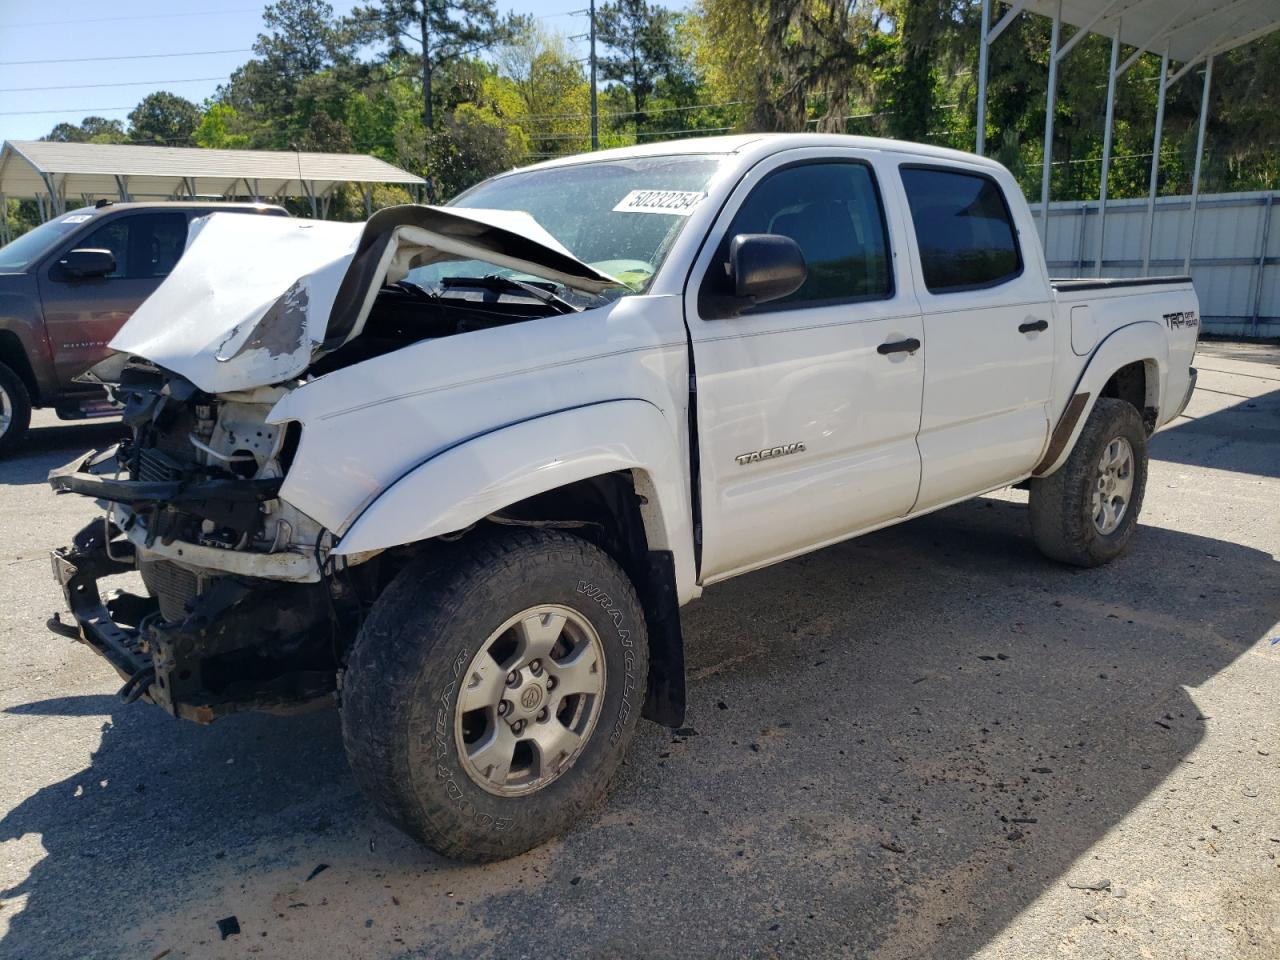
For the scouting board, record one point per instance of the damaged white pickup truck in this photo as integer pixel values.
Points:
(460, 466)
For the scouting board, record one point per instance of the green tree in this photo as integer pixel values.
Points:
(89, 130)
(540, 86)
(640, 41)
(218, 128)
(473, 143)
(438, 33)
(164, 118)
(793, 60)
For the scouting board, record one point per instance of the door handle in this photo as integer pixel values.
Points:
(909, 345)
(1033, 326)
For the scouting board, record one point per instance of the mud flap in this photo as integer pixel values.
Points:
(665, 699)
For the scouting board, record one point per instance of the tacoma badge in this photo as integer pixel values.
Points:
(755, 456)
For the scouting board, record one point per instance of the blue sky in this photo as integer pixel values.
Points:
(76, 30)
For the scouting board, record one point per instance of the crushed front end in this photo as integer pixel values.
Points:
(243, 611)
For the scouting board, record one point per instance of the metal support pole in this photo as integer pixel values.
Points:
(1050, 99)
(1084, 227)
(1106, 150)
(310, 188)
(981, 147)
(1262, 262)
(368, 202)
(1149, 234)
(1195, 177)
(595, 116)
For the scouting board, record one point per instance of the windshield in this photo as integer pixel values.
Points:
(34, 244)
(619, 216)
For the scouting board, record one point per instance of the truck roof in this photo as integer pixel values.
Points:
(110, 205)
(763, 144)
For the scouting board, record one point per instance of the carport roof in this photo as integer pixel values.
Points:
(29, 168)
(1192, 29)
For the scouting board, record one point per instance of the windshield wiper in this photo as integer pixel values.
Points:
(494, 281)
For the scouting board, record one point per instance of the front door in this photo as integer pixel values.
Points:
(83, 315)
(986, 321)
(806, 430)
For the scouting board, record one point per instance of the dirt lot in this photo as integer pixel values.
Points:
(919, 744)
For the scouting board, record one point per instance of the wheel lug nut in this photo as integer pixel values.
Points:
(551, 683)
(504, 707)
(518, 726)
(513, 679)
(542, 715)
(536, 666)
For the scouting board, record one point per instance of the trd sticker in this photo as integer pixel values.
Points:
(679, 202)
(78, 218)
(1184, 318)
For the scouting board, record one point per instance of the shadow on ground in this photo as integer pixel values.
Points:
(1244, 437)
(900, 741)
(48, 447)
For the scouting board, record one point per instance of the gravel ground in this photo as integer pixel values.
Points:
(925, 743)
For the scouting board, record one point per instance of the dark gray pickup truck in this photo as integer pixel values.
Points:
(67, 286)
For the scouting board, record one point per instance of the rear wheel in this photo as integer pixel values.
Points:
(491, 694)
(15, 409)
(1086, 512)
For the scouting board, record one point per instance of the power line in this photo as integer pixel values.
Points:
(84, 111)
(149, 16)
(129, 83)
(136, 56)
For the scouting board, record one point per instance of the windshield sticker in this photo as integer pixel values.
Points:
(78, 218)
(679, 202)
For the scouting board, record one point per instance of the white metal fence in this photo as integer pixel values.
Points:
(1235, 264)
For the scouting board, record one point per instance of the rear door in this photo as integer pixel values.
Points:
(986, 320)
(805, 431)
(83, 315)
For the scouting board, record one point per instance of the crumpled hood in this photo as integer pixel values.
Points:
(254, 300)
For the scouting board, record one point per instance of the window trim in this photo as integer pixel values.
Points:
(1008, 212)
(776, 306)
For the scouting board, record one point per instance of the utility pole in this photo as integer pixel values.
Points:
(595, 117)
(590, 37)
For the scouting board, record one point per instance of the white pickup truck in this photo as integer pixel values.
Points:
(460, 466)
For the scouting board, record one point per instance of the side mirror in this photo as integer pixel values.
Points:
(87, 263)
(764, 267)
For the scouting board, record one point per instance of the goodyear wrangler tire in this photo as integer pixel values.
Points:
(1085, 513)
(493, 690)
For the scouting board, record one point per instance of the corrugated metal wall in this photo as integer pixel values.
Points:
(1237, 281)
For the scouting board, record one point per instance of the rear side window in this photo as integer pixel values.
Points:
(963, 229)
(832, 211)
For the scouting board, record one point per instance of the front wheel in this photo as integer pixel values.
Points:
(491, 694)
(15, 409)
(1085, 513)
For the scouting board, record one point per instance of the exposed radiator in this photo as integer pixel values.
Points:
(172, 585)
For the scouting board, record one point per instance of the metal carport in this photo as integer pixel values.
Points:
(1185, 32)
(49, 172)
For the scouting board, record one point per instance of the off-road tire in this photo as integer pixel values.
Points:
(20, 409)
(401, 684)
(1061, 519)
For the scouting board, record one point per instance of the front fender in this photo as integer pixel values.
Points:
(466, 482)
(1145, 341)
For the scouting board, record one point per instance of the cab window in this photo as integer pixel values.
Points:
(145, 247)
(963, 229)
(832, 211)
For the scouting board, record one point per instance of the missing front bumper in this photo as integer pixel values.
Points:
(243, 645)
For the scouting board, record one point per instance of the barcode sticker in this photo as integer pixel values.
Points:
(678, 202)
